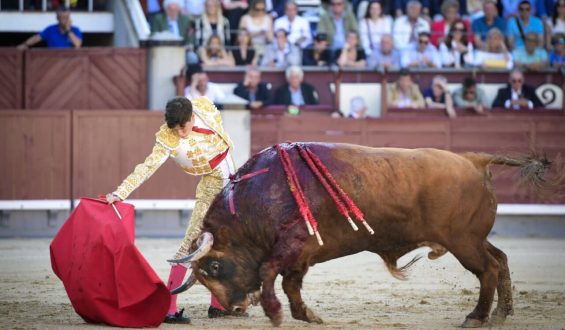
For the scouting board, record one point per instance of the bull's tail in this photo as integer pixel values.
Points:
(399, 273)
(533, 169)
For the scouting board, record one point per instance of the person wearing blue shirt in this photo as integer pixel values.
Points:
(60, 35)
(481, 26)
(530, 57)
(521, 25)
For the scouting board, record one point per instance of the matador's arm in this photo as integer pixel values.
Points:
(143, 171)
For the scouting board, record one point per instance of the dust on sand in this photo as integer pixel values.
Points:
(354, 292)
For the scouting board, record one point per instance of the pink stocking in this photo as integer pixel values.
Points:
(215, 303)
(175, 280)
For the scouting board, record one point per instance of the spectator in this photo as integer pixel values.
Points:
(172, 20)
(281, 53)
(404, 93)
(243, 53)
(298, 27)
(212, 22)
(530, 57)
(336, 22)
(440, 28)
(439, 97)
(557, 22)
(407, 28)
(295, 92)
(495, 55)
(517, 95)
(490, 20)
(201, 86)
(456, 51)
(557, 56)
(385, 57)
(374, 26)
(257, 93)
(523, 24)
(421, 54)
(358, 108)
(317, 54)
(400, 5)
(510, 8)
(259, 25)
(470, 96)
(60, 35)
(214, 54)
(352, 54)
(234, 10)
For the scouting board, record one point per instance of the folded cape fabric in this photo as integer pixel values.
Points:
(105, 276)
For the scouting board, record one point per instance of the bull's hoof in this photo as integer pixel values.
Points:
(311, 317)
(277, 318)
(474, 323)
(499, 315)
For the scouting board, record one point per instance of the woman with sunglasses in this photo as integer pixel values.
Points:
(450, 14)
(456, 51)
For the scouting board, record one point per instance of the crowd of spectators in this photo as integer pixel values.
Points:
(374, 34)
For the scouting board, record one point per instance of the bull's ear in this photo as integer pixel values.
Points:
(222, 238)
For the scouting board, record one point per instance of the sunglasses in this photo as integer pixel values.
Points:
(524, 8)
(514, 81)
(424, 42)
(459, 29)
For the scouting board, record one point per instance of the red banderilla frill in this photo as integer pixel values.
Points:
(298, 194)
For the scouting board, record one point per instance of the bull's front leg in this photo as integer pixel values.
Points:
(269, 301)
(292, 284)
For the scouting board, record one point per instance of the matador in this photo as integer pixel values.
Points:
(193, 136)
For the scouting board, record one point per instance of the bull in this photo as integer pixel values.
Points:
(411, 198)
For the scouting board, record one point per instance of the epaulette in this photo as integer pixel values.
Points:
(204, 104)
(167, 137)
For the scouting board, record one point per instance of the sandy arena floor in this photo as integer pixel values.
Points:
(355, 292)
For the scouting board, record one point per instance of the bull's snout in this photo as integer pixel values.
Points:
(238, 309)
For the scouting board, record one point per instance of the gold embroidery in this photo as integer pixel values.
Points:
(167, 137)
(208, 187)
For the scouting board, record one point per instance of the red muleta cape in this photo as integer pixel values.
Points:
(105, 276)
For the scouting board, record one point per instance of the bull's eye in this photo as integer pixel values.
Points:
(214, 268)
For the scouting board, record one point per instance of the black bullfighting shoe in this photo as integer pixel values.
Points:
(214, 312)
(177, 318)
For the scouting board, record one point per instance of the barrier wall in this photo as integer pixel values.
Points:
(87, 78)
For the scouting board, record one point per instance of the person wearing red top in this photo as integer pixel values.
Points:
(440, 29)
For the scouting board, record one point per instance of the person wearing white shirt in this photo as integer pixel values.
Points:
(201, 86)
(421, 54)
(406, 28)
(456, 51)
(373, 27)
(298, 27)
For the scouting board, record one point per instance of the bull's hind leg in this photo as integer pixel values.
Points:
(475, 258)
(292, 283)
(504, 288)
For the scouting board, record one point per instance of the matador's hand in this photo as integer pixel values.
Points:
(111, 198)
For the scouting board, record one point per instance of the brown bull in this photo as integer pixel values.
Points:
(411, 198)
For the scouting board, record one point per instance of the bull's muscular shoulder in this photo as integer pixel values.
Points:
(167, 137)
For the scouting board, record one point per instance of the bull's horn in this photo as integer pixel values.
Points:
(186, 285)
(204, 244)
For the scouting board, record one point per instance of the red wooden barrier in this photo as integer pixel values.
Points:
(35, 154)
(11, 78)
